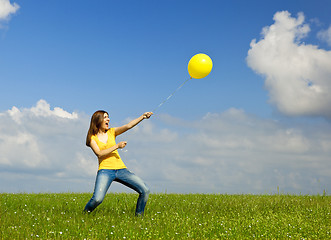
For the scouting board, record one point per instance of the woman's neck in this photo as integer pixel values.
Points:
(102, 131)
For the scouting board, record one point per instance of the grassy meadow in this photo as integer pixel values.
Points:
(167, 216)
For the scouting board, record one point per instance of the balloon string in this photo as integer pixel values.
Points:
(171, 95)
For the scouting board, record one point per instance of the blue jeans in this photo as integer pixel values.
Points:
(106, 176)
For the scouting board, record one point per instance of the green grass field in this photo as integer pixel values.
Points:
(167, 216)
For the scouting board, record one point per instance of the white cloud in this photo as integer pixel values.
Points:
(43, 142)
(42, 109)
(325, 35)
(229, 152)
(6, 9)
(21, 149)
(297, 75)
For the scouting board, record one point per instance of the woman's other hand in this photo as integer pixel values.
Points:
(122, 144)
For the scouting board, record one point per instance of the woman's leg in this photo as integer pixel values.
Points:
(134, 182)
(103, 180)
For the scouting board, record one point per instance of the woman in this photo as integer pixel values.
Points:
(101, 139)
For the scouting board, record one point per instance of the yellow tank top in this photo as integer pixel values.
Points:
(112, 160)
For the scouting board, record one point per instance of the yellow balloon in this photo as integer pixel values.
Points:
(200, 66)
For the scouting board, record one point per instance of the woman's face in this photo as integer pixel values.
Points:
(105, 122)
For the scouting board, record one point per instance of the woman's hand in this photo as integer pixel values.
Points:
(107, 151)
(147, 115)
(121, 144)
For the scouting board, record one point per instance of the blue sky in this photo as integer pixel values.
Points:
(62, 60)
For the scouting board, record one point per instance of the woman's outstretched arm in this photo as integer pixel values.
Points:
(131, 124)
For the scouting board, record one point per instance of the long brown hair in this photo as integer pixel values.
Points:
(96, 121)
